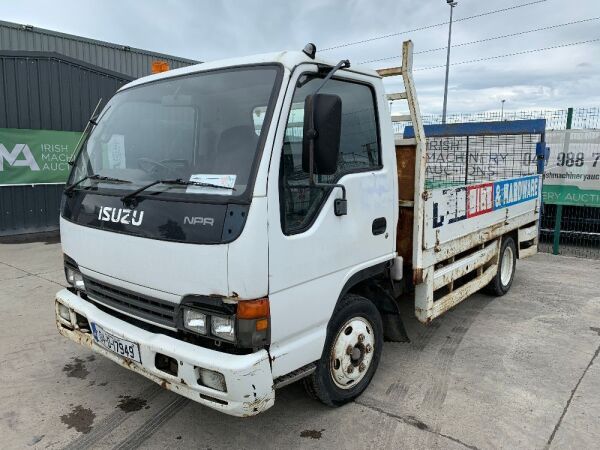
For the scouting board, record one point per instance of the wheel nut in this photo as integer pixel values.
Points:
(350, 369)
(361, 337)
(362, 367)
(349, 350)
(368, 348)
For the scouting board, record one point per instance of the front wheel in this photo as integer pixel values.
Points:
(507, 263)
(351, 354)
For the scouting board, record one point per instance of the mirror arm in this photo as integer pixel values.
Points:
(343, 64)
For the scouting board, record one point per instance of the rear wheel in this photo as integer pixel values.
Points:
(351, 354)
(507, 263)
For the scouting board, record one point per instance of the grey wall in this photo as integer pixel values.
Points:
(48, 92)
(133, 62)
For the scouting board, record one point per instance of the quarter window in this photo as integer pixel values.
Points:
(359, 149)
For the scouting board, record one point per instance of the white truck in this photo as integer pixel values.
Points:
(234, 226)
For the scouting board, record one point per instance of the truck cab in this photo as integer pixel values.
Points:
(219, 288)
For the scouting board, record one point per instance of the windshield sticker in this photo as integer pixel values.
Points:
(116, 152)
(220, 182)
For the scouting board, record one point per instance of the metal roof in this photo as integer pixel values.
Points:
(122, 59)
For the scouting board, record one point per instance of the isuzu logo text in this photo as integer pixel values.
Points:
(120, 215)
(198, 221)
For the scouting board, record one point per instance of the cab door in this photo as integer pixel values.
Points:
(313, 252)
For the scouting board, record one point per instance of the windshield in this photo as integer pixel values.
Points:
(205, 128)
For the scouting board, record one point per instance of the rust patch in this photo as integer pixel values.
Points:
(130, 404)
(257, 405)
(165, 384)
(79, 418)
(126, 362)
(76, 369)
(312, 434)
(418, 276)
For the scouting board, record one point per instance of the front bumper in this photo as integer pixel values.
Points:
(248, 377)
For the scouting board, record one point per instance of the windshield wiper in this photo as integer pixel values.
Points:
(178, 182)
(96, 177)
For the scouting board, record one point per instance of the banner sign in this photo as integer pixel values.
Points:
(572, 176)
(35, 156)
(456, 204)
(458, 211)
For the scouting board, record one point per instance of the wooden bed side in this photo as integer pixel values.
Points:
(405, 161)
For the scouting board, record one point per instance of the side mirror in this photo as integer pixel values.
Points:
(322, 128)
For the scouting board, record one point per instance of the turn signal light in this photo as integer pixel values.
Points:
(262, 324)
(253, 309)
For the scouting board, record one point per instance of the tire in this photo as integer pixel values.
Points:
(355, 326)
(507, 264)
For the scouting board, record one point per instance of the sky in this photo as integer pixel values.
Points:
(209, 30)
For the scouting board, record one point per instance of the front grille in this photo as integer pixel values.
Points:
(155, 310)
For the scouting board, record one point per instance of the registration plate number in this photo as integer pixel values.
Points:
(115, 344)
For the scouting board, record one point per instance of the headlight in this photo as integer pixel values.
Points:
(245, 323)
(223, 327)
(194, 321)
(74, 278)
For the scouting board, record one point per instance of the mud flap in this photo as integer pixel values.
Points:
(393, 328)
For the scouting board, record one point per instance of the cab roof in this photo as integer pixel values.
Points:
(289, 60)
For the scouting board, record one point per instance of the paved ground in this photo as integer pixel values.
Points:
(521, 371)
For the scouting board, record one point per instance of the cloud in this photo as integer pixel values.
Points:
(208, 29)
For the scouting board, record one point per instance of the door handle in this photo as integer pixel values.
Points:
(379, 226)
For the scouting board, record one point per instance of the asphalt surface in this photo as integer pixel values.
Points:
(521, 371)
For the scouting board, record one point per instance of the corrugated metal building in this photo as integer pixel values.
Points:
(122, 59)
(53, 81)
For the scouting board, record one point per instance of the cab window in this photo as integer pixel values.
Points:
(359, 149)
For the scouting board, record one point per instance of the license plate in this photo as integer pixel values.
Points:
(115, 344)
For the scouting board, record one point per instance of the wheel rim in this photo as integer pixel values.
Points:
(352, 353)
(506, 269)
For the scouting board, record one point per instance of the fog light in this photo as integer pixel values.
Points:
(194, 321)
(223, 327)
(64, 312)
(74, 278)
(212, 379)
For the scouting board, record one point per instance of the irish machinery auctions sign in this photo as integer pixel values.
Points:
(35, 156)
(572, 175)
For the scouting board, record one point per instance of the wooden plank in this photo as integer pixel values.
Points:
(405, 163)
(404, 142)
(459, 268)
(404, 234)
(402, 118)
(390, 72)
(397, 96)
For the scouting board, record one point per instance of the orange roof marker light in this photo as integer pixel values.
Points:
(159, 66)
